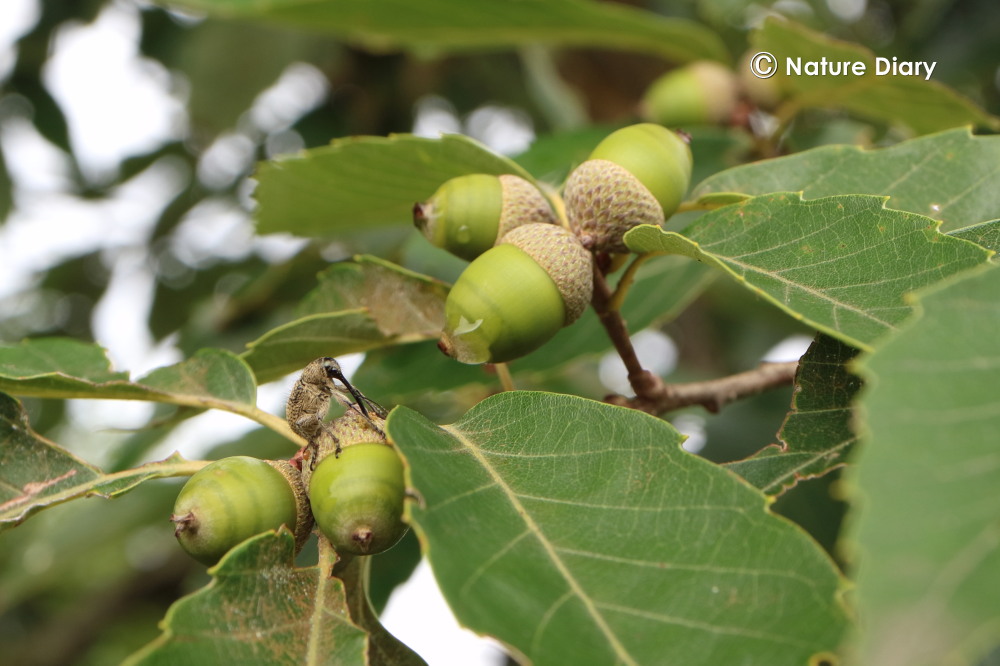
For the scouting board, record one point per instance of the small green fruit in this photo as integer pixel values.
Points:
(514, 297)
(357, 498)
(764, 93)
(702, 93)
(468, 214)
(233, 499)
(636, 175)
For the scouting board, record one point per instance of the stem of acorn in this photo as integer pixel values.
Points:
(503, 374)
(625, 283)
(643, 381)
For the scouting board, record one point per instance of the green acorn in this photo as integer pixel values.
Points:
(636, 175)
(514, 297)
(232, 499)
(348, 429)
(702, 93)
(357, 498)
(764, 93)
(468, 214)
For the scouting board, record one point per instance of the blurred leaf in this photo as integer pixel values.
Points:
(817, 434)
(927, 534)
(362, 182)
(454, 25)
(291, 346)
(579, 532)
(986, 234)
(925, 106)
(839, 264)
(551, 156)
(357, 306)
(392, 568)
(36, 473)
(230, 63)
(260, 609)
(949, 176)
(398, 299)
(383, 647)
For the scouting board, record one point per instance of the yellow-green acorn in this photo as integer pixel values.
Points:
(702, 93)
(468, 214)
(765, 93)
(233, 499)
(357, 498)
(514, 297)
(636, 175)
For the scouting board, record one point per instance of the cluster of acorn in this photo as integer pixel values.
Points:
(531, 273)
(348, 482)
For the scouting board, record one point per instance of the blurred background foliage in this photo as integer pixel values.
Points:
(156, 243)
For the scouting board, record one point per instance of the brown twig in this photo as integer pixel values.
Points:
(713, 394)
(643, 381)
(653, 395)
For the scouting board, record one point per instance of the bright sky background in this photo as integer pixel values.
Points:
(91, 64)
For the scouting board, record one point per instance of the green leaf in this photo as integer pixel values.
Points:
(986, 234)
(454, 25)
(63, 368)
(357, 306)
(949, 176)
(817, 434)
(578, 532)
(840, 264)
(926, 532)
(36, 473)
(362, 182)
(228, 64)
(925, 106)
(260, 609)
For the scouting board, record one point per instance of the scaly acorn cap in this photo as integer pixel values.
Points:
(468, 214)
(604, 200)
(303, 514)
(636, 175)
(561, 254)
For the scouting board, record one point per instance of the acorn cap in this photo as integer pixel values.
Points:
(303, 514)
(561, 254)
(604, 200)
